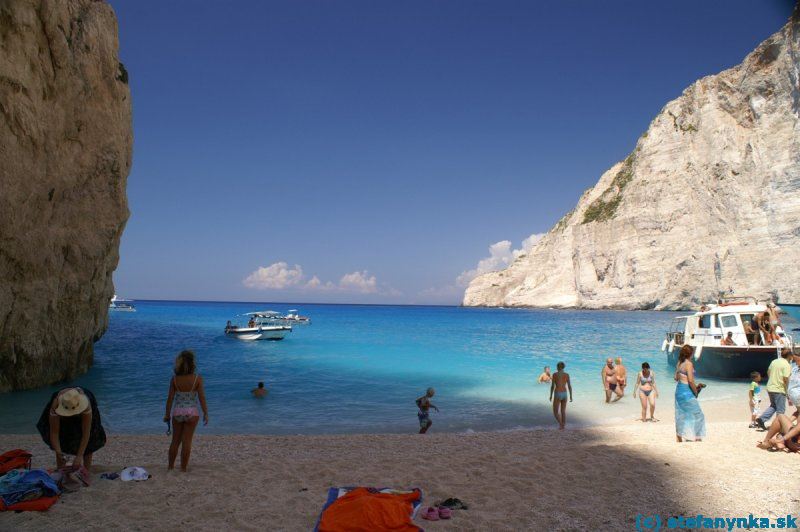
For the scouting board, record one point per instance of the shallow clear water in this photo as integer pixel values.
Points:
(359, 368)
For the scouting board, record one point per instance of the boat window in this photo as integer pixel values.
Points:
(728, 321)
(706, 321)
(678, 325)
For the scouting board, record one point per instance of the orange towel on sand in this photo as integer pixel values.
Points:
(368, 511)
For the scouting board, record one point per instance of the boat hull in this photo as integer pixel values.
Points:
(259, 333)
(730, 362)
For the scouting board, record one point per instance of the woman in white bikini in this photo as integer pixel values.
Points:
(185, 388)
(646, 386)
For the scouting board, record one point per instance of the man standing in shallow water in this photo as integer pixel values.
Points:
(609, 376)
(424, 404)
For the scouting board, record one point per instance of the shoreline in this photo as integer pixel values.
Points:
(580, 478)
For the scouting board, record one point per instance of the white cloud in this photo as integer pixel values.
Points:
(315, 284)
(500, 256)
(361, 282)
(279, 275)
(276, 276)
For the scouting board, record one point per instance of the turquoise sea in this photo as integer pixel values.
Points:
(359, 368)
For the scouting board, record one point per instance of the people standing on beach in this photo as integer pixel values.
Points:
(424, 404)
(609, 376)
(259, 391)
(778, 374)
(70, 425)
(622, 377)
(690, 423)
(754, 397)
(646, 386)
(545, 376)
(185, 388)
(558, 394)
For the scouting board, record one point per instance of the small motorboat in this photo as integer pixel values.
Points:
(121, 305)
(259, 326)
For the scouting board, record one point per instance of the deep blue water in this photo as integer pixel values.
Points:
(359, 368)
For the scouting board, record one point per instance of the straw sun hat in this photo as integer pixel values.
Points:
(72, 402)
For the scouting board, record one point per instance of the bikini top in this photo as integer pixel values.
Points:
(645, 380)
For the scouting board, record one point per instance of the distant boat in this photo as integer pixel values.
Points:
(121, 305)
(292, 315)
(260, 326)
(704, 331)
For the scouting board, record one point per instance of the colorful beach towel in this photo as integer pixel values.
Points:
(357, 509)
(22, 485)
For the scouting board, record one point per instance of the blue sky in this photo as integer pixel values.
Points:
(372, 151)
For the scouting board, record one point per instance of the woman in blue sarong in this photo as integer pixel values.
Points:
(690, 423)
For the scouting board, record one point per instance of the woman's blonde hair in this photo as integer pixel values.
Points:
(184, 363)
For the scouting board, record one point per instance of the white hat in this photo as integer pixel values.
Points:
(134, 473)
(71, 402)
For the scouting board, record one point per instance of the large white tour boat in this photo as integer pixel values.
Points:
(720, 354)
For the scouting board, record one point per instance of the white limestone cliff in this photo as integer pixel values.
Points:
(708, 202)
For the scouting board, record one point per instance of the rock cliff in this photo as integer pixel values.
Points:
(707, 202)
(65, 152)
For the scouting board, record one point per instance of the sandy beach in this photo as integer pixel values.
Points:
(591, 478)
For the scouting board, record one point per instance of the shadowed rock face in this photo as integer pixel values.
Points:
(708, 202)
(65, 152)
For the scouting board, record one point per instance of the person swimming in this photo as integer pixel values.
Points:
(260, 391)
(558, 394)
(545, 376)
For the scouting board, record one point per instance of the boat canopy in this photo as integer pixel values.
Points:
(266, 313)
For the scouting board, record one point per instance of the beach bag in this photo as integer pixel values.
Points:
(16, 459)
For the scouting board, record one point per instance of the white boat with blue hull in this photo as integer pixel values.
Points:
(707, 331)
(259, 326)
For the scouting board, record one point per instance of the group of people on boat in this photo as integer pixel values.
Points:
(761, 329)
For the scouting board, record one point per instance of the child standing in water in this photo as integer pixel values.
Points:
(558, 394)
(424, 415)
(754, 397)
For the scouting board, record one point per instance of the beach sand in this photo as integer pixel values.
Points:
(593, 478)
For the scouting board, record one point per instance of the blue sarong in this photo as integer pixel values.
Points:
(690, 423)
